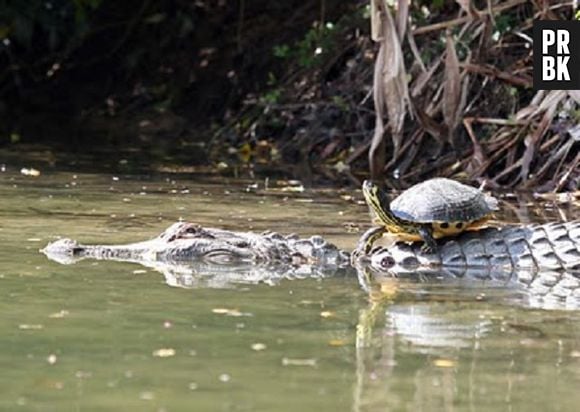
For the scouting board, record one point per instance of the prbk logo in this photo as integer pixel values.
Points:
(556, 55)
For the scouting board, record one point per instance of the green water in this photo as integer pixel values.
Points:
(114, 336)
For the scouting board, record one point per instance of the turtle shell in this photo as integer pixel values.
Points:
(442, 200)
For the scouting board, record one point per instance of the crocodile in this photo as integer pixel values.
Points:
(543, 260)
(551, 246)
(189, 254)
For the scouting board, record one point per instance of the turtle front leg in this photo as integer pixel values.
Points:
(430, 245)
(366, 241)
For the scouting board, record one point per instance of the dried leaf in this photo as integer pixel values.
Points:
(549, 106)
(432, 127)
(394, 80)
(478, 157)
(422, 80)
(488, 70)
(559, 155)
(542, 101)
(468, 7)
(552, 99)
(485, 39)
(415, 51)
(525, 114)
(377, 149)
(566, 175)
(389, 90)
(538, 97)
(402, 17)
(463, 96)
(465, 5)
(452, 88)
(575, 94)
(376, 24)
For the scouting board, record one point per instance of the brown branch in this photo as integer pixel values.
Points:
(567, 174)
(488, 70)
(501, 122)
(450, 23)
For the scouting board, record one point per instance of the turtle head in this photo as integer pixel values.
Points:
(378, 203)
(375, 197)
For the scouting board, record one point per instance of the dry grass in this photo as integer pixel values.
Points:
(534, 148)
(452, 97)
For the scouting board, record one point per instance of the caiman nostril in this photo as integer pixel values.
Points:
(388, 261)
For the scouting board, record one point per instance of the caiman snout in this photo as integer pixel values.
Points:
(64, 251)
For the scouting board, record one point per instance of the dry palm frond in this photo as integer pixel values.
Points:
(452, 93)
(390, 89)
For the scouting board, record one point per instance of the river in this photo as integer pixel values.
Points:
(100, 335)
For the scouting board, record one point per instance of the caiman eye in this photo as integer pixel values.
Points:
(189, 230)
(221, 256)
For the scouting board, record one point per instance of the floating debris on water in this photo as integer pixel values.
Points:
(164, 353)
(59, 315)
(193, 386)
(444, 363)
(26, 326)
(29, 172)
(146, 396)
(327, 314)
(258, 346)
(83, 374)
(230, 312)
(298, 362)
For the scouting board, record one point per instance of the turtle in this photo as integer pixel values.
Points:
(430, 210)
